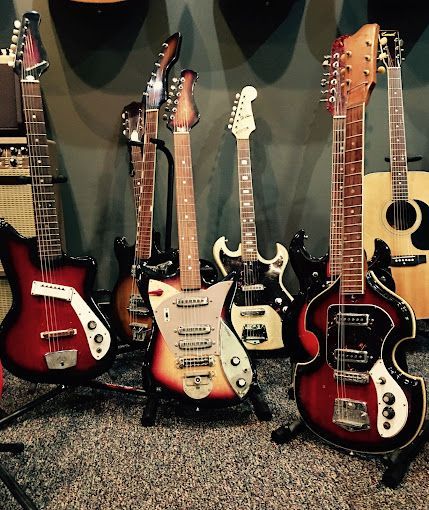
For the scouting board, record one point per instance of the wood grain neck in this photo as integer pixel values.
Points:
(398, 147)
(337, 182)
(45, 213)
(190, 278)
(352, 272)
(144, 186)
(249, 244)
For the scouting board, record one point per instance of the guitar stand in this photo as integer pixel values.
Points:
(15, 489)
(397, 461)
(255, 395)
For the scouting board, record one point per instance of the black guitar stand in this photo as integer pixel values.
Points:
(10, 482)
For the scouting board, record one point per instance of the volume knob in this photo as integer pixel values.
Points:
(389, 398)
(92, 325)
(235, 361)
(98, 339)
(241, 383)
(388, 413)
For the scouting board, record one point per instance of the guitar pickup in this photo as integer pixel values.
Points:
(351, 415)
(351, 355)
(347, 376)
(254, 334)
(192, 301)
(199, 329)
(352, 319)
(252, 313)
(195, 344)
(59, 333)
(407, 260)
(251, 288)
(45, 289)
(196, 361)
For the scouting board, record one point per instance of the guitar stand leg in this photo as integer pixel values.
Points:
(150, 410)
(399, 461)
(260, 406)
(286, 433)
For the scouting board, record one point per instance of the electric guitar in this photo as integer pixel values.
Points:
(54, 332)
(353, 393)
(131, 315)
(261, 298)
(397, 203)
(193, 354)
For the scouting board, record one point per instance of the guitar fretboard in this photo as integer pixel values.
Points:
(249, 244)
(398, 147)
(352, 271)
(189, 257)
(144, 186)
(45, 213)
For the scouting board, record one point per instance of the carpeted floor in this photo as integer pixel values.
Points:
(86, 450)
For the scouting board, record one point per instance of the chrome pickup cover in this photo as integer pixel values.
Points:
(195, 344)
(255, 286)
(252, 313)
(351, 377)
(351, 355)
(351, 415)
(198, 329)
(192, 301)
(254, 334)
(196, 361)
(352, 319)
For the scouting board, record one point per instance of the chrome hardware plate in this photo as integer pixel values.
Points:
(351, 355)
(60, 360)
(351, 415)
(351, 377)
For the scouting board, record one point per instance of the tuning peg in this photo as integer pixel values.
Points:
(174, 110)
(381, 70)
(231, 120)
(145, 94)
(124, 132)
(173, 87)
(176, 101)
(235, 102)
(160, 54)
(327, 57)
(229, 126)
(234, 108)
(174, 80)
(165, 45)
(157, 64)
(165, 116)
(169, 101)
(171, 94)
(323, 100)
(382, 55)
(324, 91)
(167, 109)
(17, 23)
(14, 38)
(15, 31)
(237, 96)
(323, 82)
(12, 47)
(325, 63)
(401, 42)
(233, 114)
(123, 115)
(383, 41)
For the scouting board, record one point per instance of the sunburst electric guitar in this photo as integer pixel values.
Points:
(193, 354)
(261, 298)
(53, 332)
(353, 393)
(397, 202)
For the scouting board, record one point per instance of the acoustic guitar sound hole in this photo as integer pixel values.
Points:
(401, 215)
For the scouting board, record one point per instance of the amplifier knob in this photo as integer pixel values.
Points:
(235, 361)
(13, 162)
(92, 325)
(241, 383)
(14, 151)
(98, 338)
(388, 412)
(24, 151)
(389, 398)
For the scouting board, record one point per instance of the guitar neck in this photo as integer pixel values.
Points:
(398, 147)
(45, 213)
(249, 245)
(144, 187)
(337, 182)
(352, 271)
(190, 278)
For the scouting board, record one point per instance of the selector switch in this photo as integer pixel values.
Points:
(92, 325)
(388, 412)
(235, 361)
(241, 383)
(98, 338)
(389, 398)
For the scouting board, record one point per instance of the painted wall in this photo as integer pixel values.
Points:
(101, 59)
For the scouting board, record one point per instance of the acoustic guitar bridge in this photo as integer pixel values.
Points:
(407, 260)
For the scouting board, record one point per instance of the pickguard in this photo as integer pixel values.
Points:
(420, 238)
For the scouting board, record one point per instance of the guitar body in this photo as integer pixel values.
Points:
(410, 246)
(61, 332)
(345, 407)
(259, 324)
(132, 317)
(189, 365)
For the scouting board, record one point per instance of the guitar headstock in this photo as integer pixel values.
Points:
(390, 49)
(133, 122)
(360, 60)
(31, 59)
(156, 93)
(184, 114)
(241, 122)
(335, 83)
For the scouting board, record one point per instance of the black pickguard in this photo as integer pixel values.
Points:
(420, 238)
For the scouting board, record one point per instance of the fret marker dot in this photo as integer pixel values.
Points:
(245, 177)
(352, 211)
(189, 256)
(34, 116)
(183, 162)
(351, 260)
(185, 200)
(186, 216)
(353, 190)
(189, 267)
(244, 161)
(184, 182)
(39, 161)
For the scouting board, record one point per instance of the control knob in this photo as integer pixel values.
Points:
(98, 338)
(13, 162)
(241, 383)
(92, 325)
(14, 151)
(388, 412)
(389, 398)
(235, 361)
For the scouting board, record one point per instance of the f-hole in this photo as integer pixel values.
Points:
(401, 215)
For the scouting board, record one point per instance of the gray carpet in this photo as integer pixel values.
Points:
(86, 450)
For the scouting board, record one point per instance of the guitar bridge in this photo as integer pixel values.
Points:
(254, 334)
(348, 376)
(196, 361)
(59, 333)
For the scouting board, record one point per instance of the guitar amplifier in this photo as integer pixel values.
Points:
(11, 118)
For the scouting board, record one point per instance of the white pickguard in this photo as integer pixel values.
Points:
(84, 313)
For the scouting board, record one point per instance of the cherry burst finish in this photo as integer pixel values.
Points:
(261, 299)
(54, 332)
(353, 393)
(131, 314)
(193, 354)
(397, 202)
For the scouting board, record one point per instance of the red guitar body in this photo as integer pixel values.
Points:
(21, 346)
(389, 321)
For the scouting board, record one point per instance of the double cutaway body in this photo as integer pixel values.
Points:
(54, 332)
(353, 393)
(193, 353)
(261, 299)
